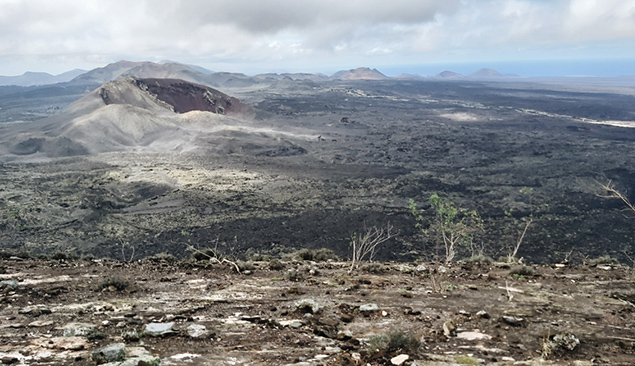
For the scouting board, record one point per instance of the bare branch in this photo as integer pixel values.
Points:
(511, 256)
(216, 258)
(365, 244)
(614, 193)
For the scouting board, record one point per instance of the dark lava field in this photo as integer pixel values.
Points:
(324, 160)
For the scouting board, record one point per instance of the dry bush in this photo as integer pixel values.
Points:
(364, 245)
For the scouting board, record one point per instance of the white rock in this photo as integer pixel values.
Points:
(398, 360)
(421, 268)
(368, 308)
(197, 331)
(159, 329)
(77, 329)
(473, 336)
(307, 306)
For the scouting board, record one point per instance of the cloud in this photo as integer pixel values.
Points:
(311, 30)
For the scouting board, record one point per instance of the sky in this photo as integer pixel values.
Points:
(254, 36)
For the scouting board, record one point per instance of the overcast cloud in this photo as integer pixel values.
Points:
(55, 36)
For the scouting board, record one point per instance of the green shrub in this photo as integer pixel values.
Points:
(324, 255)
(294, 275)
(305, 254)
(395, 342)
(276, 265)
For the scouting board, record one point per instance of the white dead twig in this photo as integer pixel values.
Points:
(509, 292)
(215, 258)
(614, 193)
(365, 244)
(125, 244)
(512, 256)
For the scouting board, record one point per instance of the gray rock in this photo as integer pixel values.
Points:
(368, 308)
(443, 269)
(115, 352)
(566, 341)
(131, 335)
(35, 310)
(198, 331)
(136, 352)
(307, 306)
(77, 329)
(159, 329)
(10, 284)
(513, 320)
(143, 360)
(421, 268)
(483, 314)
(296, 324)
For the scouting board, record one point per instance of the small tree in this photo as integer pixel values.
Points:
(520, 226)
(456, 226)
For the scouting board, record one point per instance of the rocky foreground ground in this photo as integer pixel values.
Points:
(301, 312)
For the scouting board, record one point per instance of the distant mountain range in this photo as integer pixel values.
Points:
(197, 74)
(480, 74)
(40, 78)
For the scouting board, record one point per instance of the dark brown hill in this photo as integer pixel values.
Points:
(186, 97)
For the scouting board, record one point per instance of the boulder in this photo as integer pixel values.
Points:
(368, 308)
(307, 306)
(198, 331)
(115, 352)
(399, 360)
(77, 329)
(159, 329)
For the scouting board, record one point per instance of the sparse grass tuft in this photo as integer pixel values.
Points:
(466, 360)
(203, 255)
(479, 259)
(161, 257)
(95, 336)
(117, 283)
(522, 270)
(245, 266)
(605, 259)
(375, 268)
